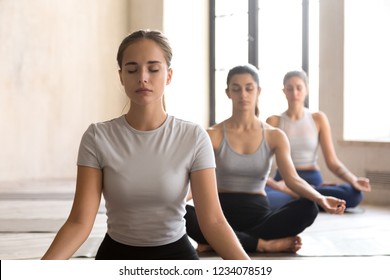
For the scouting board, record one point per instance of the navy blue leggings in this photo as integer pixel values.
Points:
(251, 218)
(343, 191)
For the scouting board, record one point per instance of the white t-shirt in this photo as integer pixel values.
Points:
(146, 176)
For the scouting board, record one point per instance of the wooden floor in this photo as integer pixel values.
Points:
(31, 213)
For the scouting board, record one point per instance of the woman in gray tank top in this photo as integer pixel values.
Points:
(244, 147)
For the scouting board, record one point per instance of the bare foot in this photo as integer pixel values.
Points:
(204, 248)
(286, 244)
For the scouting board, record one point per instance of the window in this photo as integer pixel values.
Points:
(231, 47)
(278, 29)
(280, 50)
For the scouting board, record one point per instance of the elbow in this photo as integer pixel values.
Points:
(215, 222)
(83, 228)
(333, 164)
(212, 224)
(334, 167)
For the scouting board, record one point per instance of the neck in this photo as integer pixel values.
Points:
(243, 120)
(295, 112)
(145, 119)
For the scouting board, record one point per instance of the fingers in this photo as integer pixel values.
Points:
(340, 209)
(364, 183)
(337, 206)
(337, 210)
(334, 205)
(341, 205)
(364, 179)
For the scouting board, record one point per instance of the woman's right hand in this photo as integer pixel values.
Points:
(332, 205)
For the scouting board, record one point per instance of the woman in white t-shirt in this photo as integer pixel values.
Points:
(142, 162)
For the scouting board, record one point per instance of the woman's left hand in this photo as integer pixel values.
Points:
(362, 184)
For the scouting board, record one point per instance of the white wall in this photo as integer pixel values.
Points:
(57, 75)
(357, 156)
(145, 14)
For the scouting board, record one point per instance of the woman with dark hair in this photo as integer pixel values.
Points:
(244, 147)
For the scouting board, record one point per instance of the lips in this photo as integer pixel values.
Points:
(143, 90)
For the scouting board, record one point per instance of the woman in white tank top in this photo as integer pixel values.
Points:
(306, 132)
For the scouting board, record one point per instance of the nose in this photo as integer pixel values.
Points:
(296, 92)
(143, 76)
(244, 93)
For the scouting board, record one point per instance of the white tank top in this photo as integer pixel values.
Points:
(303, 137)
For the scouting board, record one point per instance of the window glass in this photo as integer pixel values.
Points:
(280, 50)
(231, 48)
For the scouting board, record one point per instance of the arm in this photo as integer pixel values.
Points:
(281, 147)
(82, 216)
(211, 220)
(281, 186)
(278, 185)
(331, 159)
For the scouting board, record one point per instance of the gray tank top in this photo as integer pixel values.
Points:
(246, 173)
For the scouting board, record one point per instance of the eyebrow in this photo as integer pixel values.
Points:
(247, 84)
(149, 62)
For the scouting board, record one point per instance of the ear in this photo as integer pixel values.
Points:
(120, 76)
(258, 91)
(169, 76)
(227, 93)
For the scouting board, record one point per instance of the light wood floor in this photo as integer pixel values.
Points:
(31, 213)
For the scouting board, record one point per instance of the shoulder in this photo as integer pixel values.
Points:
(319, 115)
(273, 131)
(216, 134)
(320, 118)
(184, 131)
(274, 136)
(215, 130)
(273, 120)
(181, 122)
(181, 125)
(103, 125)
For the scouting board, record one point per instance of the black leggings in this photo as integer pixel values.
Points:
(251, 218)
(179, 250)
